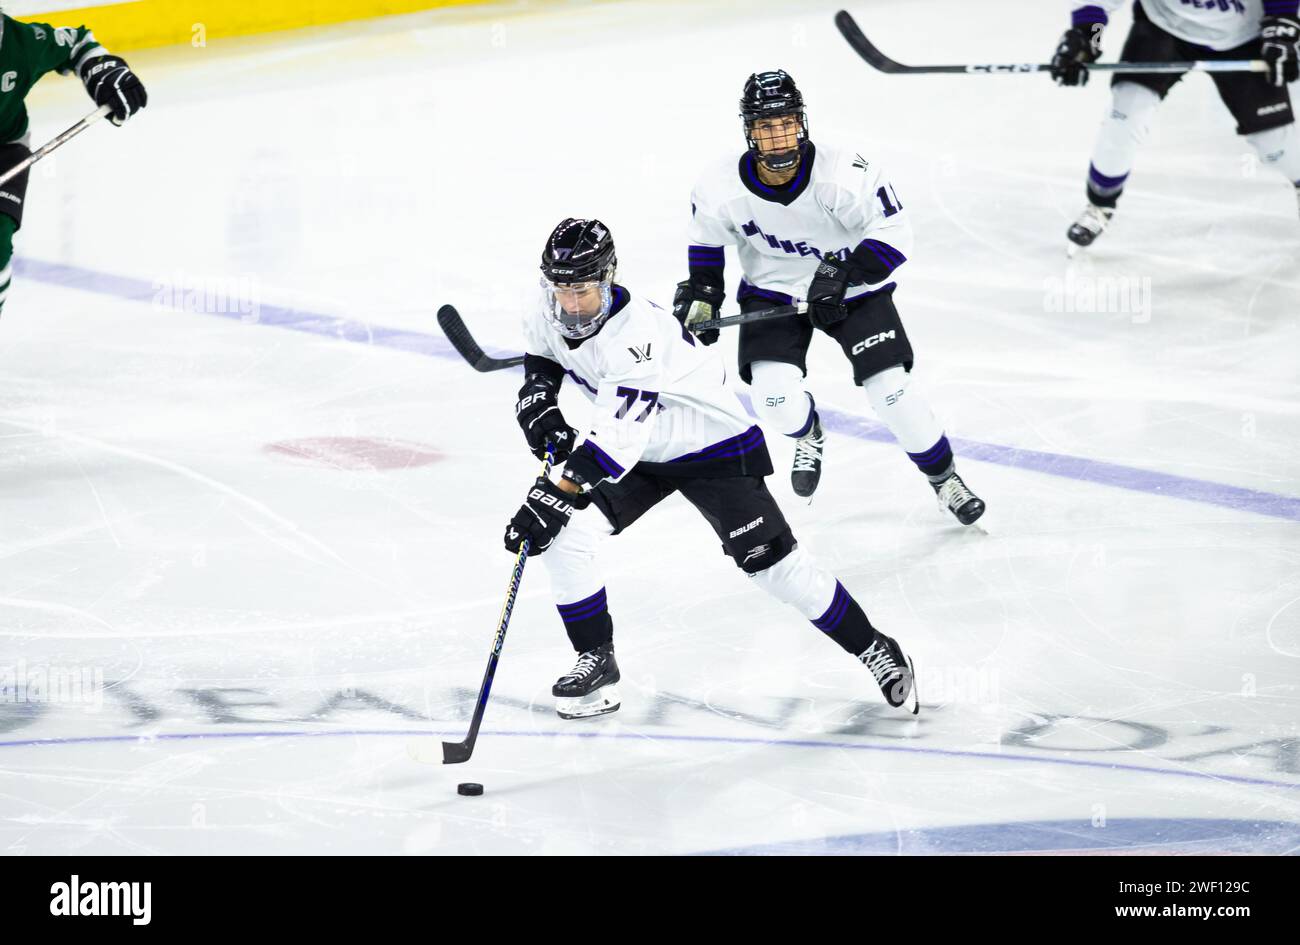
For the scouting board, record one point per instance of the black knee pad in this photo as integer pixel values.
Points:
(753, 557)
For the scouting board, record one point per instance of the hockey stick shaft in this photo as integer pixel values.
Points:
(54, 144)
(453, 326)
(744, 318)
(454, 753)
(849, 28)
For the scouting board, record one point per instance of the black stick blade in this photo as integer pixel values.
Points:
(454, 753)
(453, 327)
(851, 32)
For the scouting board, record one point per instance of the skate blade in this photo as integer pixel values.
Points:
(601, 702)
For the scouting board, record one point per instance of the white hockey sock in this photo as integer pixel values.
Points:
(577, 586)
(798, 580)
(779, 397)
(1124, 130)
(907, 413)
(1279, 148)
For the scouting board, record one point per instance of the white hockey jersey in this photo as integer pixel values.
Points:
(1215, 24)
(659, 398)
(838, 202)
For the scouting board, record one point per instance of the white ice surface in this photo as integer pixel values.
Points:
(1104, 668)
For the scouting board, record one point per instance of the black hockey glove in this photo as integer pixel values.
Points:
(110, 81)
(698, 302)
(826, 293)
(1079, 46)
(1281, 49)
(541, 518)
(539, 416)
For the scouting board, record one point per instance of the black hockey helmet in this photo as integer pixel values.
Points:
(771, 95)
(578, 268)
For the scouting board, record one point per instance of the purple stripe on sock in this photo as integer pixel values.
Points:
(1101, 180)
(812, 417)
(933, 454)
(835, 612)
(594, 610)
(598, 597)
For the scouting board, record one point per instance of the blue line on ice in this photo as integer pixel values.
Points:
(644, 737)
(1148, 481)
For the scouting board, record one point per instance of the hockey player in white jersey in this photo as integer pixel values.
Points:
(1184, 30)
(821, 224)
(663, 421)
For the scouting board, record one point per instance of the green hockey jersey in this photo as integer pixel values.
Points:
(27, 52)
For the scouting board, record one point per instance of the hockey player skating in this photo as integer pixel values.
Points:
(824, 225)
(1177, 30)
(663, 421)
(27, 52)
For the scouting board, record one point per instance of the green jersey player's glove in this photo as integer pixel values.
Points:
(110, 81)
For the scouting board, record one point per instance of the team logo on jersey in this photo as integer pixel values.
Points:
(872, 341)
(640, 354)
(860, 162)
(794, 249)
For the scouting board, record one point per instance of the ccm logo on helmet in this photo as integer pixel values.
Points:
(866, 343)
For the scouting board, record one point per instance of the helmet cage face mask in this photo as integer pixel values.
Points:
(777, 160)
(773, 94)
(589, 304)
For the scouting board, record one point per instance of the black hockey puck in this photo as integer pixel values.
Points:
(469, 789)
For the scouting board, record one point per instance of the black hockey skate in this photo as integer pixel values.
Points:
(1084, 231)
(958, 499)
(893, 671)
(588, 689)
(807, 469)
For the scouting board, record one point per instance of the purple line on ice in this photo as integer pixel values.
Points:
(653, 736)
(1237, 498)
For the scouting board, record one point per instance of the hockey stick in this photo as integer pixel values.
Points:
(762, 315)
(454, 753)
(54, 144)
(868, 51)
(453, 326)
